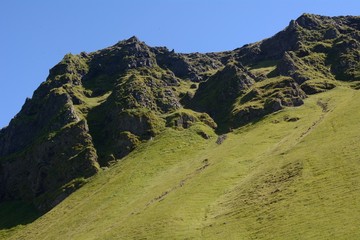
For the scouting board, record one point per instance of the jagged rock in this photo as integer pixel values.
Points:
(117, 130)
(187, 66)
(317, 87)
(289, 66)
(177, 63)
(247, 114)
(345, 60)
(193, 86)
(170, 79)
(36, 116)
(127, 54)
(48, 165)
(309, 21)
(221, 139)
(284, 93)
(186, 118)
(331, 33)
(140, 89)
(217, 95)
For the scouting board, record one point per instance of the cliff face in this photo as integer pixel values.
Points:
(95, 108)
(92, 109)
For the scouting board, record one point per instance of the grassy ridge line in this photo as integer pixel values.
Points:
(259, 183)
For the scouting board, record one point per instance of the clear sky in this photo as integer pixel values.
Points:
(36, 34)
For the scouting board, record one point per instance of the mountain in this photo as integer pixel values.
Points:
(257, 142)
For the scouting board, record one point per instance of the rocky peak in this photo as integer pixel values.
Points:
(311, 21)
(132, 46)
(125, 55)
(318, 22)
(132, 39)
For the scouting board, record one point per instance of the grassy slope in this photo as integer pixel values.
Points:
(275, 179)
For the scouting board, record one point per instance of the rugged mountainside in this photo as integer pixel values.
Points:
(95, 108)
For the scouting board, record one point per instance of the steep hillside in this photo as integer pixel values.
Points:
(295, 174)
(139, 142)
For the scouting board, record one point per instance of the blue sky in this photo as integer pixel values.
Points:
(36, 34)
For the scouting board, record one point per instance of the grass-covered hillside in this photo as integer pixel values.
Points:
(140, 142)
(293, 175)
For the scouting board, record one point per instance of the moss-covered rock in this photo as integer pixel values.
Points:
(184, 118)
(265, 98)
(48, 163)
(313, 87)
(217, 95)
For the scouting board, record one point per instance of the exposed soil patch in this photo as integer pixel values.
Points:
(323, 105)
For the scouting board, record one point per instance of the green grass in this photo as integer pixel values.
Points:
(263, 68)
(274, 179)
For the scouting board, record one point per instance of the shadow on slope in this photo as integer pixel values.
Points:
(17, 213)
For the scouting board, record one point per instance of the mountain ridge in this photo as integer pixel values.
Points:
(95, 108)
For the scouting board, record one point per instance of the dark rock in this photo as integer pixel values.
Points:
(193, 86)
(186, 66)
(291, 119)
(46, 165)
(321, 48)
(344, 58)
(204, 135)
(217, 95)
(309, 21)
(285, 93)
(287, 65)
(185, 119)
(37, 116)
(290, 65)
(331, 33)
(247, 115)
(273, 105)
(221, 139)
(317, 87)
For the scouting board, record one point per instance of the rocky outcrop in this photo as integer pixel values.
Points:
(299, 37)
(47, 144)
(345, 59)
(55, 111)
(317, 87)
(187, 66)
(257, 103)
(217, 95)
(117, 132)
(57, 152)
(290, 65)
(124, 55)
(185, 118)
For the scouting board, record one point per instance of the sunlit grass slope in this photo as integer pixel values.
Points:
(293, 175)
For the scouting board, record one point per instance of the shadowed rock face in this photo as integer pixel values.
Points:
(53, 148)
(217, 95)
(97, 107)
